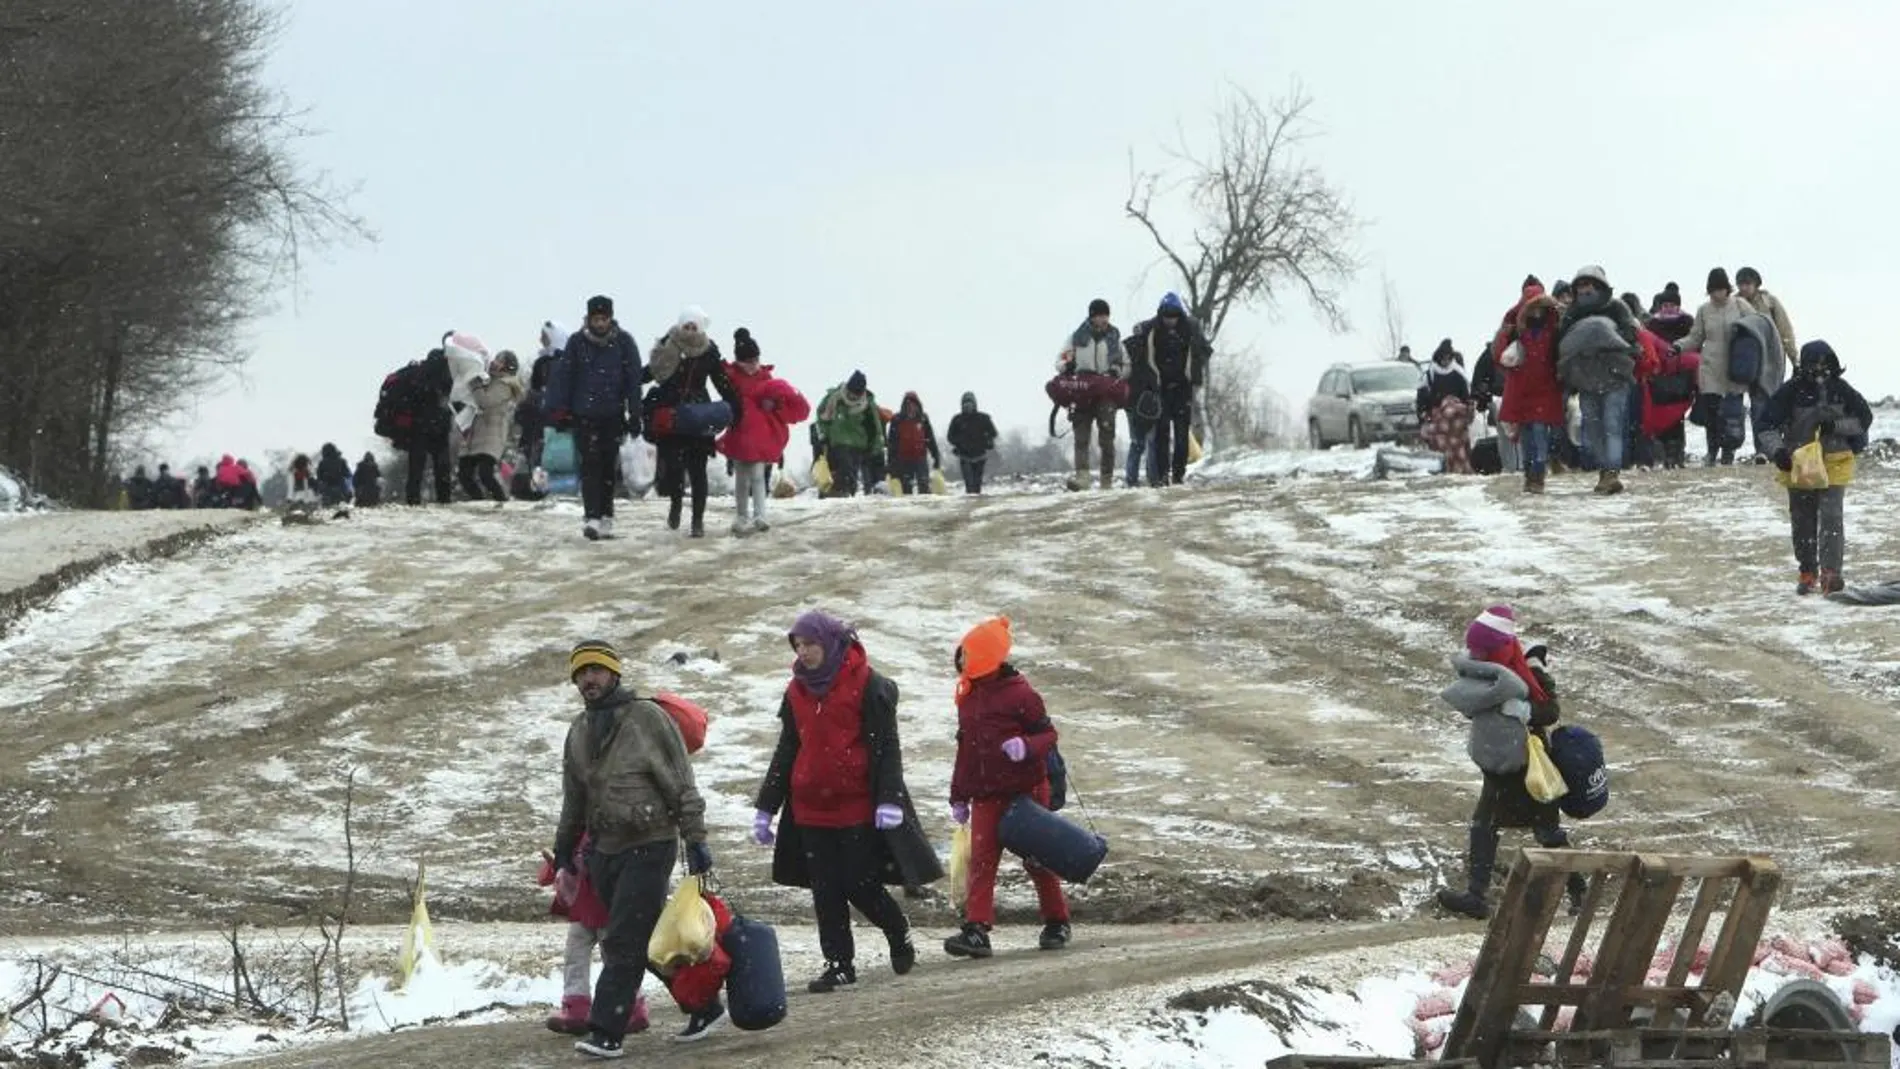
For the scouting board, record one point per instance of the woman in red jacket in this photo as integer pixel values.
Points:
(759, 433)
(1003, 741)
(1526, 345)
(848, 830)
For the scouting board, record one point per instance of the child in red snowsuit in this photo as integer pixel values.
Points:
(587, 917)
(696, 987)
(1003, 741)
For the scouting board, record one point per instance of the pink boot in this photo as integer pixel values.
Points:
(572, 1020)
(637, 1020)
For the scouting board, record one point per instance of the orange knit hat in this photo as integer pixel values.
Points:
(985, 649)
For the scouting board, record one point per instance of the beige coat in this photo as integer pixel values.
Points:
(1770, 305)
(1710, 334)
(496, 399)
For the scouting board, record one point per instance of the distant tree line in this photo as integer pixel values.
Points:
(151, 206)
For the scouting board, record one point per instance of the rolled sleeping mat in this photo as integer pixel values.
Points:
(1034, 833)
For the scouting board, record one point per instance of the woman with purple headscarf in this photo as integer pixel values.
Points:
(846, 826)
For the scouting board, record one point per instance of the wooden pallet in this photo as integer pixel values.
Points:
(1707, 1048)
(1644, 889)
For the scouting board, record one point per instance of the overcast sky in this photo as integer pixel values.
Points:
(932, 191)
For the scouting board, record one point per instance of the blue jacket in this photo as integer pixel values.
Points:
(597, 379)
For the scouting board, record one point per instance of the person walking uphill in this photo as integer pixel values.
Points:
(836, 782)
(625, 782)
(761, 429)
(1004, 736)
(1817, 405)
(594, 390)
(1597, 349)
(848, 430)
(495, 395)
(1507, 699)
(683, 363)
(1174, 352)
(913, 445)
(972, 436)
(1095, 348)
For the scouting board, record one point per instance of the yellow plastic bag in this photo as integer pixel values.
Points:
(936, 481)
(960, 865)
(1541, 777)
(418, 940)
(1810, 468)
(895, 486)
(821, 475)
(684, 935)
(1194, 449)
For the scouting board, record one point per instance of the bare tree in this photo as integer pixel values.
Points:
(1266, 221)
(146, 215)
(1392, 319)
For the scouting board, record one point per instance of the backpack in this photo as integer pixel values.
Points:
(395, 405)
(1578, 755)
(687, 716)
(1058, 779)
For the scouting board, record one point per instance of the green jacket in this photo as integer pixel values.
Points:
(838, 425)
(626, 779)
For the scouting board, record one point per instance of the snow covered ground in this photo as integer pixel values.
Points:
(1245, 673)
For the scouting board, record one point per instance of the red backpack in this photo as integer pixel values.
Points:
(688, 716)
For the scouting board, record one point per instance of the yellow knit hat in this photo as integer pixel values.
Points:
(593, 651)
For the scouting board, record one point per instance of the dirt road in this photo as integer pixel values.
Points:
(917, 1020)
(1245, 677)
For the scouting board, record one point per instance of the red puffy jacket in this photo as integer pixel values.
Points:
(831, 776)
(759, 436)
(1532, 393)
(998, 708)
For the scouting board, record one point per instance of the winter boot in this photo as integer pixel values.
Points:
(1464, 903)
(638, 1020)
(903, 952)
(572, 1020)
(1831, 581)
(698, 531)
(1055, 935)
(972, 942)
(591, 530)
(673, 514)
(741, 528)
(1107, 476)
(699, 519)
(1809, 581)
(606, 527)
(1533, 482)
(1575, 887)
(1483, 858)
(1612, 482)
(1728, 457)
(837, 974)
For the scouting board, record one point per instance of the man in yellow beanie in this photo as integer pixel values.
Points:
(626, 780)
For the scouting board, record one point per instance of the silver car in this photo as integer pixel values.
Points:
(1364, 403)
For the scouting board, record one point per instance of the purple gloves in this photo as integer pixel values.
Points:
(888, 817)
(960, 812)
(762, 828)
(1015, 749)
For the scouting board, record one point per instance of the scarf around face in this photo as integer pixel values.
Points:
(835, 636)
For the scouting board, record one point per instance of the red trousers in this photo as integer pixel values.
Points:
(986, 853)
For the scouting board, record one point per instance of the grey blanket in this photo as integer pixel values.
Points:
(1593, 358)
(1878, 594)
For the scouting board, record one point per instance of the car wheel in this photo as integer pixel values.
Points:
(1357, 432)
(1314, 438)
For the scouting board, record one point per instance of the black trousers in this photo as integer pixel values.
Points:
(432, 452)
(847, 469)
(682, 464)
(1504, 802)
(1171, 435)
(972, 474)
(844, 864)
(478, 478)
(633, 884)
(597, 445)
(1818, 519)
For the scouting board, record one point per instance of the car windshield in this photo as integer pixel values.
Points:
(1382, 379)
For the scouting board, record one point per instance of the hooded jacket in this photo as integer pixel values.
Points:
(1160, 358)
(910, 436)
(1497, 702)
(850, 424)
(972, 432)
(758, 436)
(625, 778)
(1597, 345)
(1829, 407)
(1532, 393)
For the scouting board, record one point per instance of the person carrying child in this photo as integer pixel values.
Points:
(574, 899)
(1507, 698)
(1004, 736)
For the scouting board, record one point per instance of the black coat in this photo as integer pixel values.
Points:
(972, 435)
(1439, 387)
(908, 858)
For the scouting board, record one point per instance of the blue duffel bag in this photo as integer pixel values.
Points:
(702, 419)
(1035, 834)
(755, 988)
